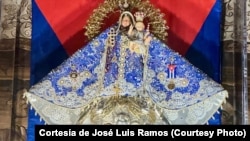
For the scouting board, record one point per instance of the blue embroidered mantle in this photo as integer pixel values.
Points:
(172, 89)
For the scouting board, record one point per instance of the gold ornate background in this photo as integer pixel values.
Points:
(15, 37)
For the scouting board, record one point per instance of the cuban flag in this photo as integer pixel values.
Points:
(58, 32)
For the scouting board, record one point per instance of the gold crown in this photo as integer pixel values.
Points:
(139, 16)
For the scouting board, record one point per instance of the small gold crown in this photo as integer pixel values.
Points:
(139, 16)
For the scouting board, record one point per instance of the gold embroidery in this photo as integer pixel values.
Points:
(156, 18)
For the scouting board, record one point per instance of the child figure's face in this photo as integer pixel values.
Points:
(140, 26)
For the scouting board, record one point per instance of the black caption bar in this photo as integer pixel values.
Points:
(43, 132)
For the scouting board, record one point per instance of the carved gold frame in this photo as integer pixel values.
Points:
(158, 25)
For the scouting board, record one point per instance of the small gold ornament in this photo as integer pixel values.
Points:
(171, 85)
(73, 75)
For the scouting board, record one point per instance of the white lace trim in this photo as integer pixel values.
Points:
(198, 113)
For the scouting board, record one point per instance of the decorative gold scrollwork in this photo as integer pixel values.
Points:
(158, 25)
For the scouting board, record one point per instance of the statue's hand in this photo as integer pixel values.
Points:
(130, 30)
(147, 34)
(147, 40)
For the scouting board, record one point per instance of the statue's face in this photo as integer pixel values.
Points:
(125, 21)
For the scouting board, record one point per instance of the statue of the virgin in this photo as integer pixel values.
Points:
(115, 79)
